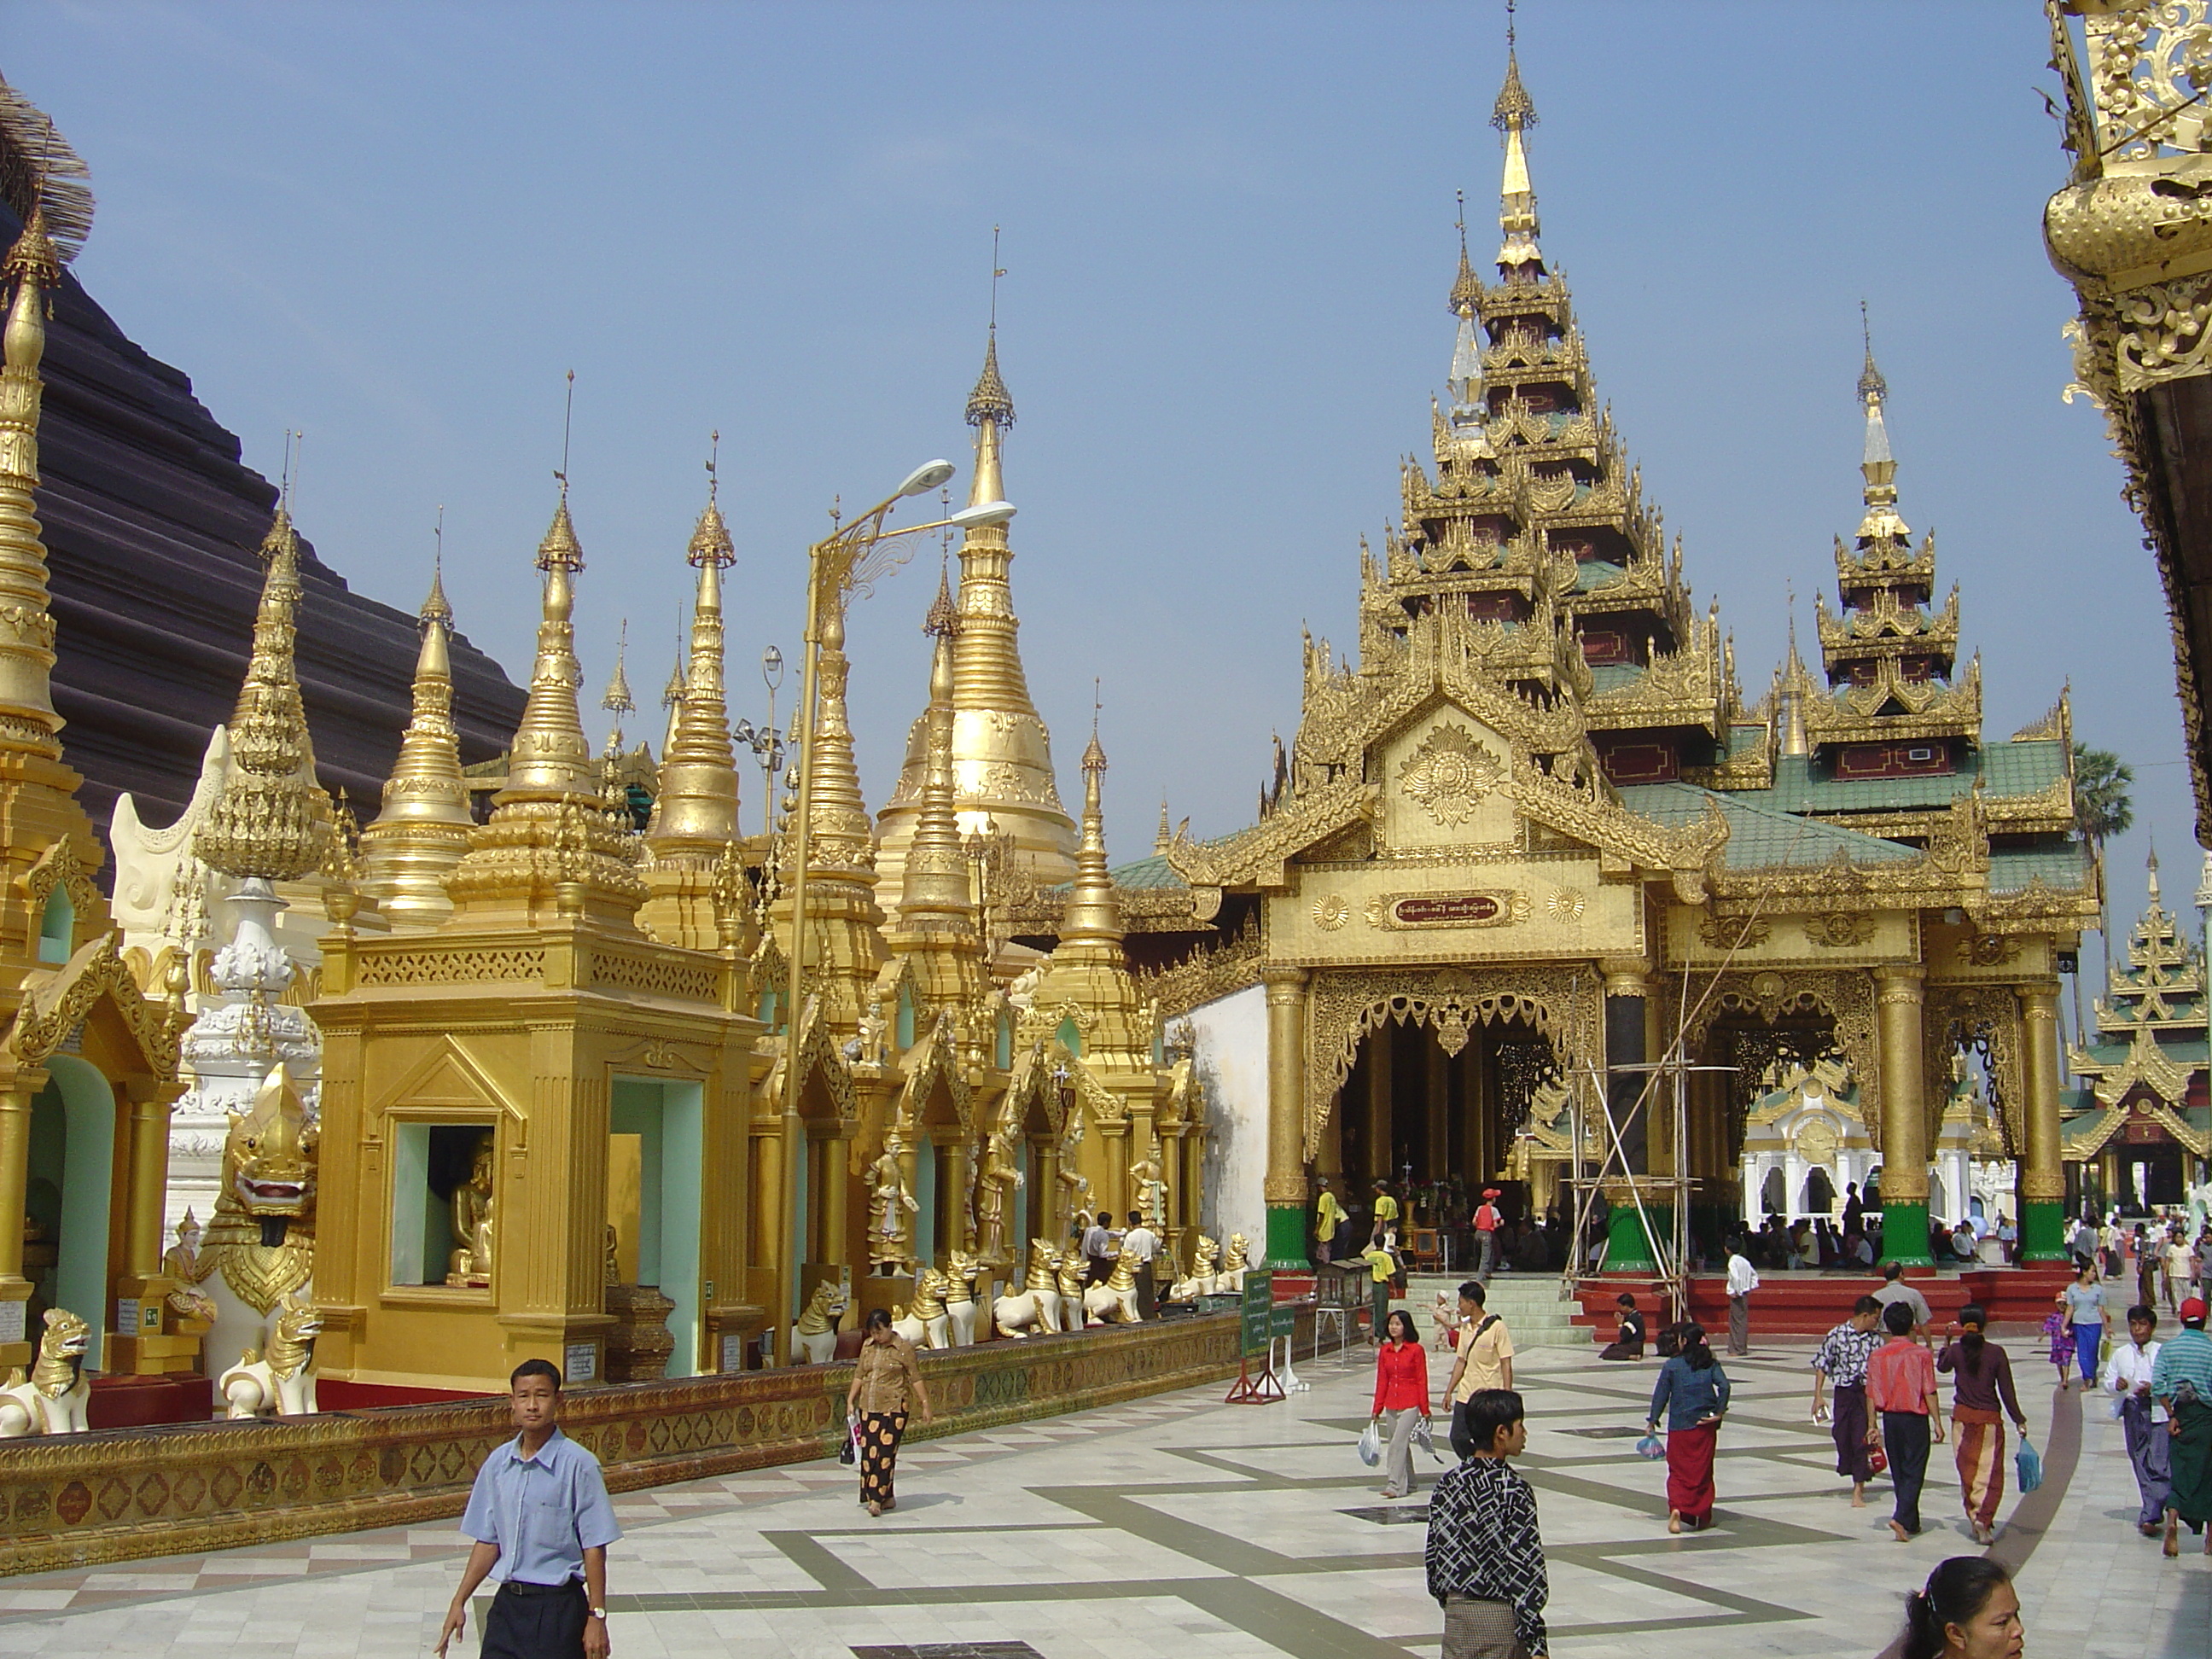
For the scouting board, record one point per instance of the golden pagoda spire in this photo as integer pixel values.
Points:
(1163, 837)
(1795, 686)
(423, 830)
(671, 694)
(1468, 410)
(1877, 465)
(551, 759)
(1094, 910)
(272, 820)
(935, 887)
(1514, 114)
(27, 720)
(1001, 753)
(697, 811)
(618, 700)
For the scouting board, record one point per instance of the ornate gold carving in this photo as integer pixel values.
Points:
(1567, 905)
(664, 976)
(1985, 1017)
(1989, 950)
(1562, 1004)
(1205, 977)
(1845, 996)
(1735, 933)
(1840, 930)
(465, 967)
(1450, 774)
(1331, 911)
(56, 1008)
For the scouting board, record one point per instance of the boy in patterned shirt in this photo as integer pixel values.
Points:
(1840, 1362)
(1485, 1558)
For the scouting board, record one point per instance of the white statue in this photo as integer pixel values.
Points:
(1152, 1194)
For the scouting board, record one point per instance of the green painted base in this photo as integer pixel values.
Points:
(1904, 1233)
(1286, 1237)
(2043, 1230)
(1627, 1250)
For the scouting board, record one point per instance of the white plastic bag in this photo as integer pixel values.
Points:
(1425, 1441)
(1370, 1446)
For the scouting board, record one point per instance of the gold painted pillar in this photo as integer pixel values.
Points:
(2042, 1190)
(1284, 1189)
(836, 1245)
(1382, 1090)
(1437, 1100)
(1114, 1137)
(150, 1175)
(14, 1177)
(1898, 1001)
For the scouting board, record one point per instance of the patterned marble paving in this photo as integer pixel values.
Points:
(1179, 1526)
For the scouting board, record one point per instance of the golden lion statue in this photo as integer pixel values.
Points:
(52, 1399)
(283, 1384)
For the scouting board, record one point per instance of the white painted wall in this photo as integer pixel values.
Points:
(1230, 1058)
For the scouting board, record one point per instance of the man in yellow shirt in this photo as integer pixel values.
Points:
(1326, 1214)
(1386, 1217)
(1486, 1360)
(1383, 1265)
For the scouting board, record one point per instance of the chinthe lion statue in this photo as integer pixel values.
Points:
(818, 1327)
(283, 1384)
(52, 1399)
(924, 1324)
(1114, 1302)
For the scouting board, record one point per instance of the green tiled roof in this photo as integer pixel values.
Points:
(2062, 867)
(1760, 838)
(1154, 871)
(2007, 768)
(1615, 675)
(1593, 573)
(2192, 1051)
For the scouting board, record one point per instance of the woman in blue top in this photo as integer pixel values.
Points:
(1693, 1394)
(2085, 1308)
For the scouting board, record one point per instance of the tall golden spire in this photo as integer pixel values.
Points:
(423, 830)
(934, 888)
(272, 820)
(1001, 754)
(1877, 465)
(1794, 686)
(1094, 910)
(551, 759)
(27, 720)
(1514, 114)
(618, 700)
(697, 811)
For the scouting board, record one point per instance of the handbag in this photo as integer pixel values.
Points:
(849, 1453)
(2027, 1465)
(1370, 1446)
(1877, 1459)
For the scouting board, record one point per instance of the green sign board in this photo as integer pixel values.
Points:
(1259, 1307)
(1283, 1324)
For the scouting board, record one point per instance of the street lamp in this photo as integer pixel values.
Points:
(766, 741)
(849, 561)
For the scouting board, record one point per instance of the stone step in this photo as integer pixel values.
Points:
(1528, 1302)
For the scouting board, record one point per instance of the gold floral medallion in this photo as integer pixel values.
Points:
(1331, 912)
(1450, 774)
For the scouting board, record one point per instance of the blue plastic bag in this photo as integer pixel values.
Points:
(1651, 1446)
(2027, 1465)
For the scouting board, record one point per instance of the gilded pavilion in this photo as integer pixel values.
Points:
(1528, 835)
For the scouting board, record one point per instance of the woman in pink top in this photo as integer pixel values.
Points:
(1401, 1390)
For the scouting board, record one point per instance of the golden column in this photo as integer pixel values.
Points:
(2042, 1190)
(1285, 1186)
(1382, 1091)
(1898, 998)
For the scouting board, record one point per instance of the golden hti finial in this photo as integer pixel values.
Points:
(1513, 114)
(1792, 686)
(934, 890)
(551, 758)
(1877, 464)
(272, 820)
(1094, 910)
(422, 832)
(33, 267)
(696, 815)
(1466, 287)
(617, 700)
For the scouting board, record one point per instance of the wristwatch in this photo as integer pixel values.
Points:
(597, 1613)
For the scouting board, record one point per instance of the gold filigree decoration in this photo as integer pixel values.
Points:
(1840, 930)
(1735, 933)
(1205, 977)
(1844, 997)
(1562, 1005)
(1984, 1017)
(1449, 775)
(1331, 911)
(1567, 905)
(1989, 950)
(57, 1007)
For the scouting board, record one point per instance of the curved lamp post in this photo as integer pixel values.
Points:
(843, 563)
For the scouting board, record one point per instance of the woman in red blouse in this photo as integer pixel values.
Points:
(1401, 1391)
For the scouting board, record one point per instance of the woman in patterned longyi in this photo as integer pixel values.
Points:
(885, 1377)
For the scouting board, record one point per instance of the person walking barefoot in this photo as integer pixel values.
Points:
(1982, 1379)
(1841, 1361)
(1692, 1395)
(1401, 1393)
(1901, 1386)
(886, 1380)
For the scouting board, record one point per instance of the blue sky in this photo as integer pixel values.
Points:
(1228, 235)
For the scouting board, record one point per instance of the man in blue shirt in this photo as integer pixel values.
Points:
(542, 1523)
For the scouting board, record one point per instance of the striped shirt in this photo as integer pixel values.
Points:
(1483, 1543)
(2185, 1357)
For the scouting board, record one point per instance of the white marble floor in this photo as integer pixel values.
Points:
(1183, 1528)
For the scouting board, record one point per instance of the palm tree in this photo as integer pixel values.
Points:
(2102, 809)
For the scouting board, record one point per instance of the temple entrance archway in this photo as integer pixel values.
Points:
(1409, 1110)
(71, 1181)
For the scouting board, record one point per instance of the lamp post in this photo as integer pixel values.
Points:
(766, 741)
(840, 565)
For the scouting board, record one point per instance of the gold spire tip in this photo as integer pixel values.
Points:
(436, 608)
(1872, 386)
(943, 619)
(990, 400)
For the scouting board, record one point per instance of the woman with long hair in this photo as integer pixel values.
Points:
(1692, 1392)
(886, 1378)
(1981, 1376)
(1967, 1611)
(1401, 1391)
(2082, 1303)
